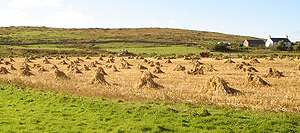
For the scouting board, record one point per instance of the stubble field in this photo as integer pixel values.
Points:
(178, 86)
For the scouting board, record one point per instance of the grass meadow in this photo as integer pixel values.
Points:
(30, 110)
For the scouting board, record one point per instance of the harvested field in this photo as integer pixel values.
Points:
(283, 94)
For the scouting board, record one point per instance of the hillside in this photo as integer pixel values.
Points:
(57, 35)
(36, 40)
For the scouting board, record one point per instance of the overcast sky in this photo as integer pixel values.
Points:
(257, 18)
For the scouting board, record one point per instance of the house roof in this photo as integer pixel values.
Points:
(256, 41)
(280, 39)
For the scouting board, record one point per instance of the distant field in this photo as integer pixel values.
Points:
(144, 49)
(165, 51)
(25, 41)
(28, 110)
(41, 47)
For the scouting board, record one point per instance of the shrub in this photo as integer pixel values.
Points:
(297, 47)
(290, 48)
(221, 48)
(281, 46)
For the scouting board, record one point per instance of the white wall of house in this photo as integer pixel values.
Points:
(269, 43)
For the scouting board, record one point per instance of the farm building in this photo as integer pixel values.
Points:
(254, 43)
(273, 42)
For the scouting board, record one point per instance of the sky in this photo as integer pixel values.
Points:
(257, 18)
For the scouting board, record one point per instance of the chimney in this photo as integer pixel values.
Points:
(287, 36)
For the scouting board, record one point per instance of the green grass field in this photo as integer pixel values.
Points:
(42, 47)
(143, 49)
(28, 110)
(164, 51)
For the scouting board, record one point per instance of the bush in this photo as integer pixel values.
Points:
(297, 47)
(290, 48)
(281, 46)
(221, 48)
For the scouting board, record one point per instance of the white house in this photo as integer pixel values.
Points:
(273, 42)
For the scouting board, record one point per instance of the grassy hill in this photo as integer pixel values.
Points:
(58, 35)
(24, 41)
(36, 40)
